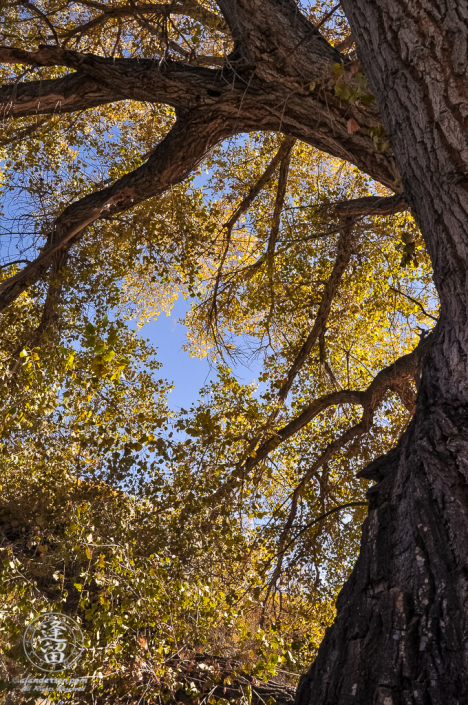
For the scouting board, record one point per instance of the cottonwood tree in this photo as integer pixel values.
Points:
(393, 108)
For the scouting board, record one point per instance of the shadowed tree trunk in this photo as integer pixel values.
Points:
(400, 636)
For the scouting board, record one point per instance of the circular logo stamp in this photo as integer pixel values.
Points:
(53, 642)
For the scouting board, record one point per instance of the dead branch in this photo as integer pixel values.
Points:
(219, 677)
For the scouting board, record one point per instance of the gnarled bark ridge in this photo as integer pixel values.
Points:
(400, 636)
(401, 633)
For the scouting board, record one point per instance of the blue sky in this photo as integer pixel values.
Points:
(168, 335)
(187, 373)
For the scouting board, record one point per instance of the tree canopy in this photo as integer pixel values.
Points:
(234, 156)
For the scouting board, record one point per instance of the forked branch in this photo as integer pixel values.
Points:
(390, 378)
(396, 377)
(189, 9)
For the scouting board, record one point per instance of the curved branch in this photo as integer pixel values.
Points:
(60, 95)
(344, 396)
(401, 370)
(171, 82)
(392, 378)
(248, 100)
(321, 518)
(336, 445)
(173, 159)
(15, 261)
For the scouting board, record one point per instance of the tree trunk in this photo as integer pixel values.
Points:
(401, 632)
(400, 635)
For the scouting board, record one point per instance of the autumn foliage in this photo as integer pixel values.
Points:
(223, 531)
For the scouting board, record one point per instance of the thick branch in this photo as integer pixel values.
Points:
(272, 34)
(61, 95)
(395, 377)
(171, 82)
(249, 102)
(359, 208)
(371, 205)
(174, 158)
(344, 396)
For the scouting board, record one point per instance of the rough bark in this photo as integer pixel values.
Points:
(272, 35)
(401, 633)
(239, 96)
(212, 105)
(61, 95)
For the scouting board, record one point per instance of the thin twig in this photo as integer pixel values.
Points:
(327, 16)
(43, 17)
(15, 261)
(322, 516)
(415, 301)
